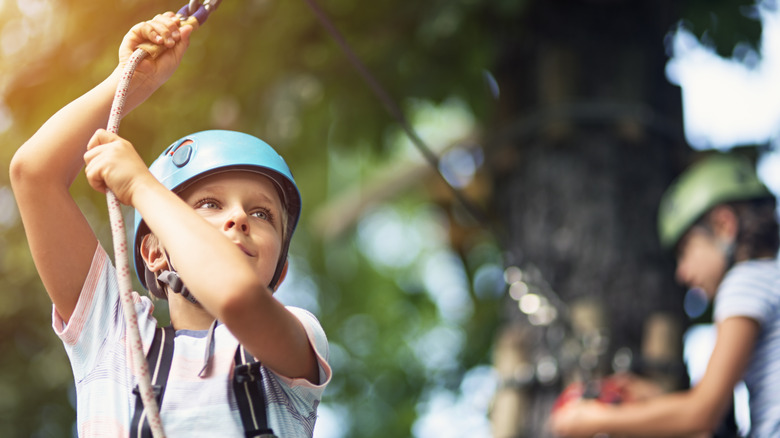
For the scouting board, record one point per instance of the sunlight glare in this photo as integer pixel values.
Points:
(14, 36)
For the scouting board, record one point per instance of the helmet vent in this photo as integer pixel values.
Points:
(182, 155)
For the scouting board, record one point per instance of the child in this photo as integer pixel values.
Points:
(215, 229)
(722, 222)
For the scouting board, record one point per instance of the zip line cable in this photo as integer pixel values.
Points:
(392, 107)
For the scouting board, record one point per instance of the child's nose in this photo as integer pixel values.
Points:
(237, 219)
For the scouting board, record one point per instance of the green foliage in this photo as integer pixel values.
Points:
(270, 69)
(723, 25)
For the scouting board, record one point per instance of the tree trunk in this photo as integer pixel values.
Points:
(590, 135)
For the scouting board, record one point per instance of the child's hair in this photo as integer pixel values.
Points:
(199, 155)
(759, 233)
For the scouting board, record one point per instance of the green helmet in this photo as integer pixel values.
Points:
(717, 179)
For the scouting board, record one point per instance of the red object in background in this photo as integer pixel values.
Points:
(604, 390)
(571, 393)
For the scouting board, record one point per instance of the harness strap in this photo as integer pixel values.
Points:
(248, 389)
(159, 360)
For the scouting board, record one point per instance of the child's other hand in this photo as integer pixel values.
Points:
(113, 163)
(573, 419)
(163, 30)
(635, 388)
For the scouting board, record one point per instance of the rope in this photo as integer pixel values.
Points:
(140, 366)
(194, 13)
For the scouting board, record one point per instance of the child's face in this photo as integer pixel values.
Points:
(246, 208)
(701, 262)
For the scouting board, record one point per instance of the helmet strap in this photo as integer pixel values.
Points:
(172, 279)
(725, 241)
(154, 285)
(728, 247)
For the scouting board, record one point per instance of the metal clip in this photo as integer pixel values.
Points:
(193, 7)
(198, 10)
(247, 372)
(210, 5)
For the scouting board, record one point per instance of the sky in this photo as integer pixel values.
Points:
(732, 101)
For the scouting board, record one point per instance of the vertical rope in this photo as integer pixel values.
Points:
(140, 367)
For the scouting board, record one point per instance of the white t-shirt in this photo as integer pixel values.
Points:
(752, 289)
(193, 406)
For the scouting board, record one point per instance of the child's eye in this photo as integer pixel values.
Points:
(207, 203)
(263, 214)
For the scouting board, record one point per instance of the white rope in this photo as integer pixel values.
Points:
(140, 368)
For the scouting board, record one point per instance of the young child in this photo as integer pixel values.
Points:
(219, 221)
(722, 222)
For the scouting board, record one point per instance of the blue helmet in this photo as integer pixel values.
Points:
(199, 155)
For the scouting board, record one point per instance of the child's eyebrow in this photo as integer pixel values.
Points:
(268, 198)
(219, 189)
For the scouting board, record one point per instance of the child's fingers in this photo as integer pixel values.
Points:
(163, 29)
(101, 142)
(101, 153)
(161, 32)
(91, 170)
(101, 137)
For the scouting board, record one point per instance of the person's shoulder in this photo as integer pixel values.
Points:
(313, 328)
(767, 267)
(756, 275)
(306, 317)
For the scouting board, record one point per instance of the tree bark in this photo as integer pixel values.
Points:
(589, 137)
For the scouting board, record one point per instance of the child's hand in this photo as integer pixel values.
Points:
(113, 163)
(163, 30)
(635, 388)
(572, 419)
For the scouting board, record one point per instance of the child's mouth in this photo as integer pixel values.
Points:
(246, 251)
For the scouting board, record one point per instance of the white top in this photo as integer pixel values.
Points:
(193, 406)
(752, 289)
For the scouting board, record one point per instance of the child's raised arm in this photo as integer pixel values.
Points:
(42, 170)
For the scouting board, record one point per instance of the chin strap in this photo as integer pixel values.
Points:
(172, 279)
(728, 248)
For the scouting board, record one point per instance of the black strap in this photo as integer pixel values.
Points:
(159, 360)
(172, 279)
(248, 388)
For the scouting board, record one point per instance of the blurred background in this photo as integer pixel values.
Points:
(461, 293)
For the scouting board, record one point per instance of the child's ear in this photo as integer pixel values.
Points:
(153, 254)
(724, 222)
(282, 275)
